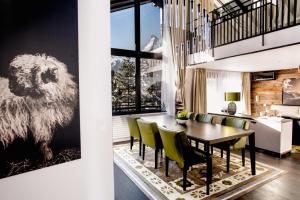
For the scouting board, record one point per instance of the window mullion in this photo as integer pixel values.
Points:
(137, 25)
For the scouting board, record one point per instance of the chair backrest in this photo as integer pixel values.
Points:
(170, 143)
(236, 122)
(191, 115)
(133, 127)
(149, 133)
(176, 145)
(206, 118)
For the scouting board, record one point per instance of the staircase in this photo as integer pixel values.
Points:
(243, 19)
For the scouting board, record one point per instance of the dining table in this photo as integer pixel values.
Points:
(209, 135)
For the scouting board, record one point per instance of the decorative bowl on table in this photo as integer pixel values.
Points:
(182, 117)
(181, 121)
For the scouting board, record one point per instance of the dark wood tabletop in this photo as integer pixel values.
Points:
(202, 132)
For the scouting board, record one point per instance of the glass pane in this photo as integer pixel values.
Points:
(123, 84)
(151, 76)
(150, 28)
(122, 29)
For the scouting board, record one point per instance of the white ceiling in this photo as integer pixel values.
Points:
(276, 59)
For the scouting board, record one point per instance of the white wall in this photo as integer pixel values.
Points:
(91, 177)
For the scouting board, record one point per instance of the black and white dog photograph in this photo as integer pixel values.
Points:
(39, 85)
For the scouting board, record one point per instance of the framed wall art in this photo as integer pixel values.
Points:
(39, 95)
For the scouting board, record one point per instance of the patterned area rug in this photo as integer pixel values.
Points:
(225, 185)
(295, 149)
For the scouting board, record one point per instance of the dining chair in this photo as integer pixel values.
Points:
(238, 144)
(177, 148)
(150, 137)
(206, 118)
(134, 132)
(191, 116)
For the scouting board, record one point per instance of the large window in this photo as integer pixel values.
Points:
(150, 28)
(122, 29)
(123, 84)
(136, 57)
(151, 75)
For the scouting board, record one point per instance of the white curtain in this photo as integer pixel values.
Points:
(168, 93)
(219, 82)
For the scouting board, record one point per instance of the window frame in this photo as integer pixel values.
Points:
(138, 55)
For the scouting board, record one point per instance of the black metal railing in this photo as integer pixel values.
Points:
(235, 22)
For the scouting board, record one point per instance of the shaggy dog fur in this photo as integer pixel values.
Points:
(38, 96)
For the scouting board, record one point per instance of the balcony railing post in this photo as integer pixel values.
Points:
(271, 15)
(213, 37)
(288, 12)
(277, 10)
(251, 22)
(282, 13)
(295, 12)
(239, 27)
(231, 35)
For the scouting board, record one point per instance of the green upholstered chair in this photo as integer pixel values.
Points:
(134, 132)
(150, 137)
(239, 144)
(177, 148)
(206, 118)
(191, 115)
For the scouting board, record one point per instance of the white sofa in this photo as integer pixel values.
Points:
(273, 134)
(282, 110)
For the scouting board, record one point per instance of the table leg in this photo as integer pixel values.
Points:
(228, 159)
(208, 167)
(252, 152)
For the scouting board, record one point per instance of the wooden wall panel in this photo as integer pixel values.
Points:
(269, 92)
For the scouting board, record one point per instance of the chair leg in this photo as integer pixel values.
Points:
(140, 147)
(221, 153)
(184, 178)
(212, 150)
(243, 156)
(228, 160)
(144, 151)
(131, 142)
(156, 158)
(167, 166)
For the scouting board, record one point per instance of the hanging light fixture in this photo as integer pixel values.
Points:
(200, 34)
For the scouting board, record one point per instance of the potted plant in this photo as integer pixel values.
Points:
(182, 117)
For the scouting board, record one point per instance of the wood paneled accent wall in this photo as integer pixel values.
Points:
(269, 92)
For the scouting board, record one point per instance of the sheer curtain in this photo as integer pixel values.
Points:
(177, 44)
(219, 82)
(174, 53)
(199, 94)
(168, 86)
